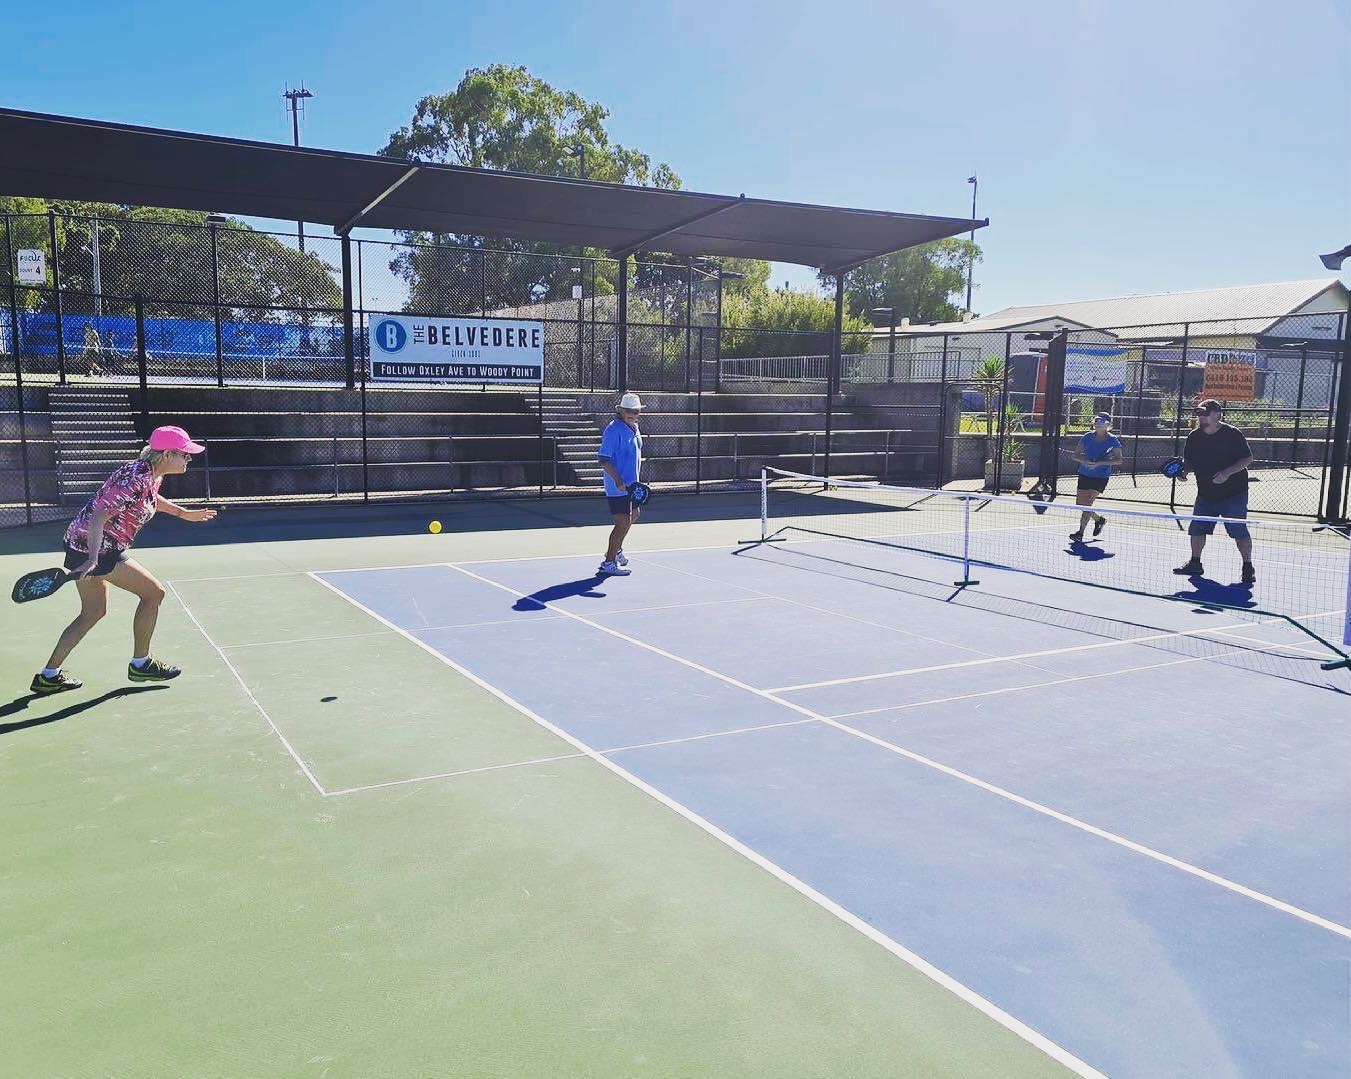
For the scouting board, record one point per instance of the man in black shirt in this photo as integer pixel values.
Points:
(1219, 455)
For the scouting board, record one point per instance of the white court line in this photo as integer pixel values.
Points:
(846, 615)
(478, 625)
(460, 772)
(242, 576)
(245, 686)
(570, 756)
(1028, 655)
(1017, 799)
(1018, 689)
(1276, 645)
(962, 992)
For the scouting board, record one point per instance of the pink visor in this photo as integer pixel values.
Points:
(173, 438)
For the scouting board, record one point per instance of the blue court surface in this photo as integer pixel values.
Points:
(1130, 833)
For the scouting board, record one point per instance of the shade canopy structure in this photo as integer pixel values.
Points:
(62, 157)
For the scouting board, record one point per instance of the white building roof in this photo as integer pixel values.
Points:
(1243, 309)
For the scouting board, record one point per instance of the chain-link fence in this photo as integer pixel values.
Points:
(242, 337)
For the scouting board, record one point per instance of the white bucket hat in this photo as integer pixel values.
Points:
(631, 400)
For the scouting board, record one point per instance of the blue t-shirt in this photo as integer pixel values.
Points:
(622, 446)
(1096, 449)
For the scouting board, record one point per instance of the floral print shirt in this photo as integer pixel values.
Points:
(128, 496)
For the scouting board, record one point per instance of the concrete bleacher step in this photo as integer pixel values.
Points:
(573, 430)
(95, 433)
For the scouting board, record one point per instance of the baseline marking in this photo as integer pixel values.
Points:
(569, 756)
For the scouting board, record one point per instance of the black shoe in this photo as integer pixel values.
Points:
(62, 682)
(1099, 523)
(1077, 537)
(1249, 573)
(153, 671)
(1191, 568)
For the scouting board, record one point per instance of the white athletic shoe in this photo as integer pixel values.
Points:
(621, 559)
(610, 569)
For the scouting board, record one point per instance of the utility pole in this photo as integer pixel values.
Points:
(295, 105)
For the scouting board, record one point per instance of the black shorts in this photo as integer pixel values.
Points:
(1093, 483)
(106, 563)
(622, 504)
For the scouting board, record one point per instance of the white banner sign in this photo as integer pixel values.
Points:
(414, 348)
(1098, 370)
(32, 266)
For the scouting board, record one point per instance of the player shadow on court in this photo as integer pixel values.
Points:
(1204, 590)
(21, 703)
(1086, 552)
(537, 601)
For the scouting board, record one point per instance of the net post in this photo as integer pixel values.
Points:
(966, 545)
(1346, 633)
(764, 504)
(764, 536)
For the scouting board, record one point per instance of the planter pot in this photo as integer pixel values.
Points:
(1010, 475)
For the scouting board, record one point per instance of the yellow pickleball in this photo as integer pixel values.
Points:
(434, 527)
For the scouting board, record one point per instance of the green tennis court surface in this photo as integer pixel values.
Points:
(180, 900)
(454, 805)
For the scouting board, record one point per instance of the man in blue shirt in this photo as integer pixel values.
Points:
(1098, 451)
(621, 459)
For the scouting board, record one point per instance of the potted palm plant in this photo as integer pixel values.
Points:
(1012, 464)
(1012, 469)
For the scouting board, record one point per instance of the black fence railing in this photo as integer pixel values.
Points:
(245, 339)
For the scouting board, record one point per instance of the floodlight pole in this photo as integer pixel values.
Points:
(294, 99)
(578, 151)
(971, 255)
(293, 104)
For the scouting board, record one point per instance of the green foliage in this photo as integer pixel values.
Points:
(754, 276)
(989, 370)
(783, 322)
(1081, 411)
(989, 373)
(1014, 420)
(920, 283)
(503, 117)
(166, 255)
(27, 230)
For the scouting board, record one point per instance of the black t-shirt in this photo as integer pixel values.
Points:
(1207, 454)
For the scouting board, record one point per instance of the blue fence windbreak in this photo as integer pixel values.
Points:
(172, 336)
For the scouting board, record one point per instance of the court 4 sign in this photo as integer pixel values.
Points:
(32, 266)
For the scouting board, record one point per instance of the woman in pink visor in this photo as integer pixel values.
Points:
(96, 552)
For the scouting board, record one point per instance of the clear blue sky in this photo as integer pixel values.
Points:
(1123, 146)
